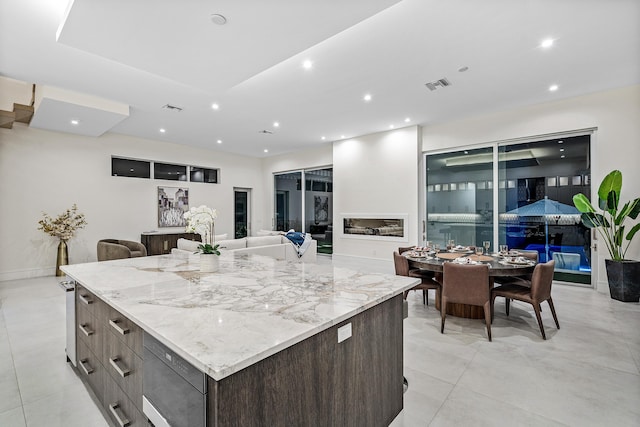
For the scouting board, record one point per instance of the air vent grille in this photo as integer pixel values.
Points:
(443, 82)
(171, 107)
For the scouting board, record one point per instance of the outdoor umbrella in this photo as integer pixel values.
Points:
(545, 208)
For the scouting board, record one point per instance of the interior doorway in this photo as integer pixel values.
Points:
(242, 211)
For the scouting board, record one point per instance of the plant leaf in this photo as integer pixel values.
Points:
(592, 220)
(635, 209)
(633, 231)
(582, 203)
(617, 239)
(612, 202)
(611, 182)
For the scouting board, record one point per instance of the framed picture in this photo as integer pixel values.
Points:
(173, 202)
(320, 208)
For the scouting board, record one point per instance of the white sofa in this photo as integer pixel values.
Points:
(278, 247)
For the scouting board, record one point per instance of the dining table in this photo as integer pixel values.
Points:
(510, 265)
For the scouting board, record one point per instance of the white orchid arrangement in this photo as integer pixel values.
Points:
(201, 220)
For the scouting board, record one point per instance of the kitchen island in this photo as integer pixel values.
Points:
(280, 343)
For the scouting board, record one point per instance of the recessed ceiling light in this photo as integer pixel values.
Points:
(219, 141)
(266, 151)
(218, 19)
(323, 138)
(342, 136)
(407, 120)
(215, 106)
(131, 170)
(466, 152)
(562, 149)
(546, 43)
(560, 142)
(391, 126)
(75, 122)
(367, 97)
(162, 130)
(276, 124)
(307, 65)
(562, 157)
(553, 88)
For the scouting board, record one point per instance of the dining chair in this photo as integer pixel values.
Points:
(466, 284)
(539, 291)
(401, 264)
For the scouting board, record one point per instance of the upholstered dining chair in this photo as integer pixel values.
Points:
(466, 284)
(539, 291)
(402, 269)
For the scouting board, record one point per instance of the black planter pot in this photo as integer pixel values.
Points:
(624, 280)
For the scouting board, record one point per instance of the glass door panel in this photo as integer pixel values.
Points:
(241, 199)
(319, 207)
(288, 201)
(460, 197)
(536, 185)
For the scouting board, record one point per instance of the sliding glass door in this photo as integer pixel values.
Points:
(532, 184)
(304, 202)
(460, 196)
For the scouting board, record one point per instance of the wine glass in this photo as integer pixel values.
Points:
(451, 244)
(478, 250)
(504, 249)
(487, 245)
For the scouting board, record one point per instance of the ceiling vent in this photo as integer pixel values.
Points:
(438, 83)
(172, 108)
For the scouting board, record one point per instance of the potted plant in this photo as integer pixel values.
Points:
(623, 274)
(201, 220)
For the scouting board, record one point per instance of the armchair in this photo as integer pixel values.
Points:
(109, 249)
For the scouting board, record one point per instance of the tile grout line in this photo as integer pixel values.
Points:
(13, 364)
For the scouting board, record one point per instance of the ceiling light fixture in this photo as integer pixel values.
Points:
(553, 88)
(562, 149)
(75, 122)
(367, 97)
(218, 19)
(215, 106)
(407, 120)
(391, 126)
(266, 151)
(342, 136)
(562, 157)
(546, 43)
(162, 130)
(323, 138)
(276, 124)
(560, 142)
(219, 141)
(307, 64)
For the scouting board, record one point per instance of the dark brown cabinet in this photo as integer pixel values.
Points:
(109, 350)
(162, 243)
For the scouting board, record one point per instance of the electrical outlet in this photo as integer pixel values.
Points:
(344, 332)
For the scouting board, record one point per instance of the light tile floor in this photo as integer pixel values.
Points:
(585, 374)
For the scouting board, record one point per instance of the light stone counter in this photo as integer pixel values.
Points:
(252, 308)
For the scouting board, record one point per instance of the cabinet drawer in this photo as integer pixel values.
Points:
(88, 300)
(123, 328)
(91, 369)
(121, 410)
(124, 366)
(90, 331)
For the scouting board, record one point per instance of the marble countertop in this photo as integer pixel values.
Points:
(250, 309)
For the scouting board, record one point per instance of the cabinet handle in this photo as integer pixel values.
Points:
(122, 372)
(87, 370)
(84, 299)
(83, 328)
(114, 325)
(123, 421)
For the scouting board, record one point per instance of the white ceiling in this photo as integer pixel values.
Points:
(146, 54)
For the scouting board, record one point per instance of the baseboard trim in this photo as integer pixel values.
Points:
(26, 274)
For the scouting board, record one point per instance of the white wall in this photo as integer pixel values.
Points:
(376, 174)
(50, 171)
(615, 144)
